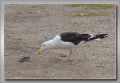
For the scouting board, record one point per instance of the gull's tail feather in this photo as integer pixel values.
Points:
(96, 37)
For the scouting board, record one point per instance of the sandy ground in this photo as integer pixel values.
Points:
(28, 26)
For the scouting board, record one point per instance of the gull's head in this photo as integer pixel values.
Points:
(46, 45)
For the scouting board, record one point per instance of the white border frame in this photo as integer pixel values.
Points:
(2, 2)
(2, 41)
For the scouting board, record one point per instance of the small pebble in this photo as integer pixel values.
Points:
(24, 59)
(63, 56)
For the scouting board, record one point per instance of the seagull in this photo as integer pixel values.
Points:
(69, 40)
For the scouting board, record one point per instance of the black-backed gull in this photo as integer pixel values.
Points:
(69, 40)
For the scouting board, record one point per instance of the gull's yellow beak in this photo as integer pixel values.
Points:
(40, 51)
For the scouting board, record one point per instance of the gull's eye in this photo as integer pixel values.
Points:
(43, 44)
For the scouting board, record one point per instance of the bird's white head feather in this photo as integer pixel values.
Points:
(51, 44)
(48, 45)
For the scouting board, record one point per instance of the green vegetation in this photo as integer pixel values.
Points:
(92, 6)
(92, 14)
(100, 6)
(74, 15)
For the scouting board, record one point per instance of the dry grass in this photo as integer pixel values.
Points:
(86, 14)
(89, 9)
